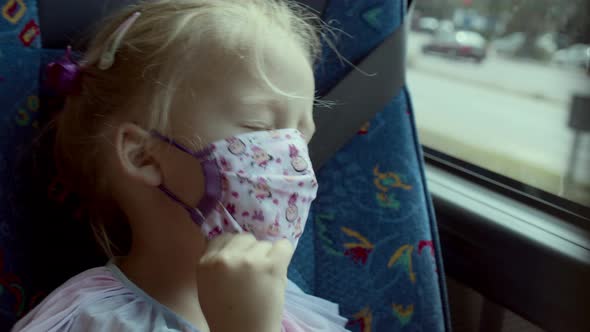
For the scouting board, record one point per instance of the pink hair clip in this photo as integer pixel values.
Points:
(65, 75)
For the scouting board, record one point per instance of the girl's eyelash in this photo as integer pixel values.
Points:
(257, 127)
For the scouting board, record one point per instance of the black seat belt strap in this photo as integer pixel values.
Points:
(359, 97)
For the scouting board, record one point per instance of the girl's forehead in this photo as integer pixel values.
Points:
(263, 84)
(272, 68)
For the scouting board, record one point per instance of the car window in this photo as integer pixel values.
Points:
(510, 100)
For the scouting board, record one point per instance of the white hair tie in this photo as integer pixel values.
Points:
(107, 58)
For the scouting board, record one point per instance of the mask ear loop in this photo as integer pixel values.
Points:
(195, 213)
(107, 58)
(212, 185)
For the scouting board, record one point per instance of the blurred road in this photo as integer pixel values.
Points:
(506, 115)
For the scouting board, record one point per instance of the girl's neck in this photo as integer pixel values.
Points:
(164, 266)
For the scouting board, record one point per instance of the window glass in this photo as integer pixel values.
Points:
(504, 85)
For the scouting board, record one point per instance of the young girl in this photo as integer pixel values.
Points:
(186, 128)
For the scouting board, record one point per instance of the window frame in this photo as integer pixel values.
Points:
(476, 233)
(550, 203)
(492, 249)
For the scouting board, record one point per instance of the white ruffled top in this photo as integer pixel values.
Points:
(104, 299)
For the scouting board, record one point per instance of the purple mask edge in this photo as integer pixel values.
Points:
(212, 177)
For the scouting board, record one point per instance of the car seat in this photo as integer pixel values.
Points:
(371, 242)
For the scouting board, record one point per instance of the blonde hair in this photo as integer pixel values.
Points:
(149, 67)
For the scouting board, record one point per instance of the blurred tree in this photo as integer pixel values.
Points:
(534, 18)
(576, 28)
(440, 9)
(566, 22)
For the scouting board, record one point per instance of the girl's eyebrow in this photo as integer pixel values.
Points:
(268, 101)
(256, 100)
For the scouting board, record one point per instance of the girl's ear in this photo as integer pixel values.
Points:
(135, 157)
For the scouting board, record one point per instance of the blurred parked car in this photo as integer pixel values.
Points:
(508, 45)
(445, 26)
(512, 45)
(577, 55)
(426, 24)
(547, 42)
(460, 44)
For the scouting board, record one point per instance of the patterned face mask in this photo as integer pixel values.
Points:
(261, 182)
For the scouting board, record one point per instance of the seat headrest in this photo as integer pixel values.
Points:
(67, 21)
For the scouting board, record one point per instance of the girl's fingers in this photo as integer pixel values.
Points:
(216, 245)
(240, 243)
(281, 253)
(260, 250)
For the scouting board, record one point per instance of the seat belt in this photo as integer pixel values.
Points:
(360, 97)
(65, 21)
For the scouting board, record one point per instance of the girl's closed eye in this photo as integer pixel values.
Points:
(257, 126)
